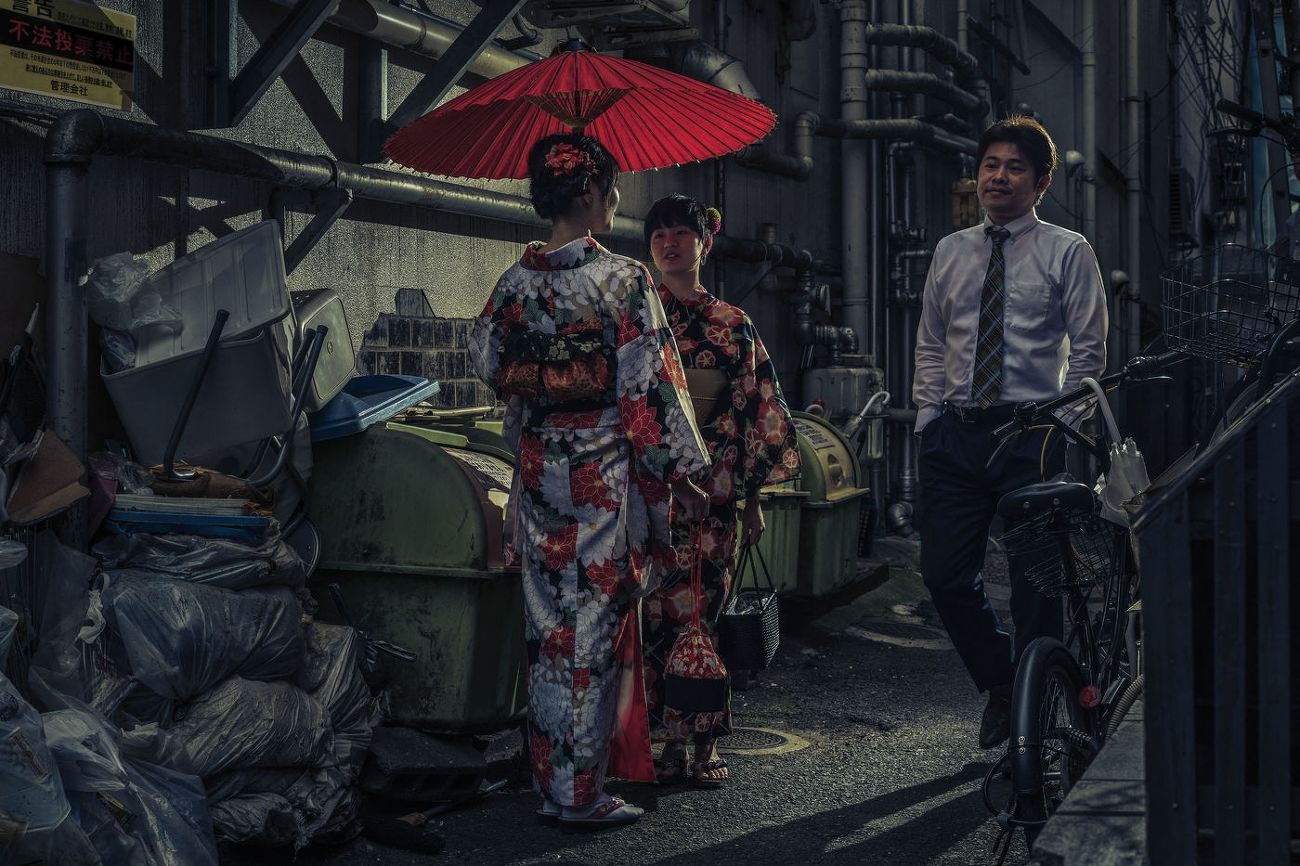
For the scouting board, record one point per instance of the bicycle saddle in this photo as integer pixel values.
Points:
(1037, 498)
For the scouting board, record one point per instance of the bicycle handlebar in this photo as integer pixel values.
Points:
(1136, 370)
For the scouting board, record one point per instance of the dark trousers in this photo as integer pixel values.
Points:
(958, 502)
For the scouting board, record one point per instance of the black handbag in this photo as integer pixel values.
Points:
(749, 629)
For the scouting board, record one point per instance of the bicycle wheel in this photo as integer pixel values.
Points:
(1052, 735)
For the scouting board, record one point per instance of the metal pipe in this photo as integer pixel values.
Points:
(938, 46)
(902, 81)
(66, 329)
(799, 165)
(853, 166)
(1089, 84)
(1133, 177)
(870, 340)
(418, 32)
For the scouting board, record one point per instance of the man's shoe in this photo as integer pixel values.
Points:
(995, 724)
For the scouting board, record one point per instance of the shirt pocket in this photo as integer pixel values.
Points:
(1028, 305)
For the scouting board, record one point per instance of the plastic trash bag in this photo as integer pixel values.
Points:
(322, 798)
(111, 286)
(8, 625)
(216, 561)
(331, 673)
(64, 575)
(134, 811)
(117, 348)
(242, 723)
(182, 638)
(35, 817)
(119, 297)
(262, 819)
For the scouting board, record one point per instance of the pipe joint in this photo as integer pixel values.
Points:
(938, 46)
(75, 137)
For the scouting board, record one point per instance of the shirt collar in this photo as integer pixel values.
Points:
(1019, 225)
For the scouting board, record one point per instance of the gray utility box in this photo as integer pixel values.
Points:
(245, 395)
(338, 363)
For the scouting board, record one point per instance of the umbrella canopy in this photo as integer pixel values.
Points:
(644, 116)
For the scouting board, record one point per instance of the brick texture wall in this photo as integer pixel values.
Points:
(415, 342)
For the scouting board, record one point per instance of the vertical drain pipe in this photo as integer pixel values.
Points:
(66, 331)
(1089, 63)
(872, 346)
(853, 167)
(1133, 181)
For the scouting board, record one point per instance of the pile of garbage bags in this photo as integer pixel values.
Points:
(187, 697)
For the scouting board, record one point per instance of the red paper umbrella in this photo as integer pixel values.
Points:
(645, 116)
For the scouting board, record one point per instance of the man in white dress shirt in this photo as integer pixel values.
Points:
(1013, 310)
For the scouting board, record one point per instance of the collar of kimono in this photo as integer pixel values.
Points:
(693, 302)
(574, 254)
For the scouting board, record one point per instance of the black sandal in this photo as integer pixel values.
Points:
(670, 771)
(699, 768)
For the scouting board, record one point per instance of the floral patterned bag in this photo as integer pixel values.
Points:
(695, 678)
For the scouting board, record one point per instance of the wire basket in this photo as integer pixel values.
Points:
(1037, 544)
(1227, 304)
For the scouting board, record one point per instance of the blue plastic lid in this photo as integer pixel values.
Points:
(366, 401)
(245, 528)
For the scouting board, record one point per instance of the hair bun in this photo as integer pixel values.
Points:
(714, 218)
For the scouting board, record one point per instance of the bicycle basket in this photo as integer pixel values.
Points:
(1227, 304)
(1036, 543)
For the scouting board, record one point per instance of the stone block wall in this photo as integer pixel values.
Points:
(415, 342)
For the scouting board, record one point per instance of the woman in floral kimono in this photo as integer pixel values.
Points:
(575, 340)
(751, 442)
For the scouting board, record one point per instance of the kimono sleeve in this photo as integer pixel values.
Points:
(766, 430)
(653, 403)
(500, 315)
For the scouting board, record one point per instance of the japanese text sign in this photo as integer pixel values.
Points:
(68, 49)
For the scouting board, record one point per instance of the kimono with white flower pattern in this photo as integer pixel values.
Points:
(591, 498)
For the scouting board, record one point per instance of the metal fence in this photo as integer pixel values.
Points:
(1215, 550)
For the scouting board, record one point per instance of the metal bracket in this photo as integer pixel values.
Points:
(327, 204)
(235, 94)
(330, 205)
(455, 62)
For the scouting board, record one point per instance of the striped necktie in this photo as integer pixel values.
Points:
(986, 384)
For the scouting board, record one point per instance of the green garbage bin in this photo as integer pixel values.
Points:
(411, 524)
(780, 542)
(836, 488)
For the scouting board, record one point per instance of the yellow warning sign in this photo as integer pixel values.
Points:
(68, 49)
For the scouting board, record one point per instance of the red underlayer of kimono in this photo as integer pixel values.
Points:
(629, 748)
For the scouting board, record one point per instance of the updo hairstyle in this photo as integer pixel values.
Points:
(564, 166)
(682, 210)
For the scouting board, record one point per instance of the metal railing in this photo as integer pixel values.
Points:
(1215, 550)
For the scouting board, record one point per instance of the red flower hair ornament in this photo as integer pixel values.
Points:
(567, 159)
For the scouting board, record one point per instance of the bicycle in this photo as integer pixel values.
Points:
(1236, 306)
(1068, 693)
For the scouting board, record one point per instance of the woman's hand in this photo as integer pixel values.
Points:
(751, 522)
(691, 500)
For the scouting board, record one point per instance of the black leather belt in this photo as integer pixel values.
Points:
(998, 413)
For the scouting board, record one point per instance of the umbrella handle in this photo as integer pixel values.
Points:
(1104, 404)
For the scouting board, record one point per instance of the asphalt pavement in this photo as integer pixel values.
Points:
(858, 746)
